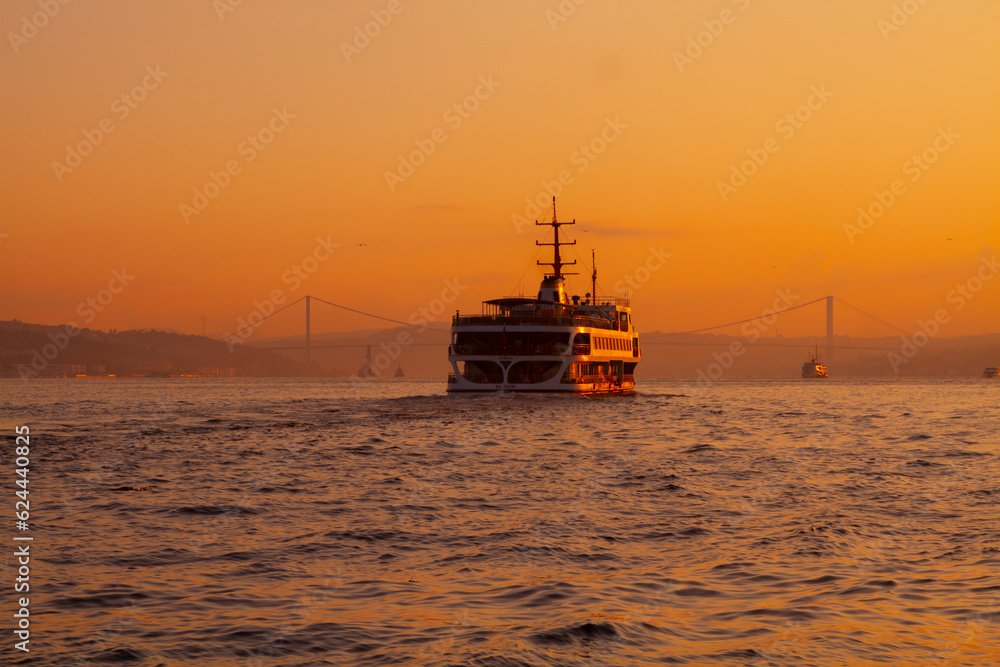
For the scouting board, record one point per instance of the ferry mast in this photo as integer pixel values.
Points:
(593, 276)
(557, 262)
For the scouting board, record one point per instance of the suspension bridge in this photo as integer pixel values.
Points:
(308, 345)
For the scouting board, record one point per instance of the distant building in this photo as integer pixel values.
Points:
(152, 366)
(65, 370)
(216, 372)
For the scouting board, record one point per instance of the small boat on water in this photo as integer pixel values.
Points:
(399, 371)
(550, 343)
(991, 372)
(813, 368)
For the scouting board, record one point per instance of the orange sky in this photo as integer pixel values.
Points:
(199, 81)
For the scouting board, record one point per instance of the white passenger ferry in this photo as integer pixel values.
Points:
(552, 343)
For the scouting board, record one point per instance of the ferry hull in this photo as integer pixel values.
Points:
(558, 383)
(552, 387)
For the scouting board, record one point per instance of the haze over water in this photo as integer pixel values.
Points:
(312, 522)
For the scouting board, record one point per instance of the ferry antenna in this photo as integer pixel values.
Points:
(556, 262)
(593, 277)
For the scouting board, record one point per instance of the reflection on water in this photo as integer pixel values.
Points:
(293, 522)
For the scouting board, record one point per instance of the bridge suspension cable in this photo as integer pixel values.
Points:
(722, 326)
(882, 322)
(255, 324)
(360, 312)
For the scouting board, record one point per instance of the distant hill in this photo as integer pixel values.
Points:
(47, 351)
(35, 350)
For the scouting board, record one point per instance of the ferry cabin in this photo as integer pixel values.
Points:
(550, 344)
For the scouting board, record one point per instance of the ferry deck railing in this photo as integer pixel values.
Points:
(533, 320)
(597, 379)
(519, 350)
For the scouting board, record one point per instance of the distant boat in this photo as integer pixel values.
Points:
(367, 369)
(399, 371)
(813, 368)
(991, 372)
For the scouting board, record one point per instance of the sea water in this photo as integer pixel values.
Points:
(332, 522)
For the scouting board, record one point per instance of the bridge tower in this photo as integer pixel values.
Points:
(829, 330)
(308, 345)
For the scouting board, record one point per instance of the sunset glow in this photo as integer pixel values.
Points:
(827, 148)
